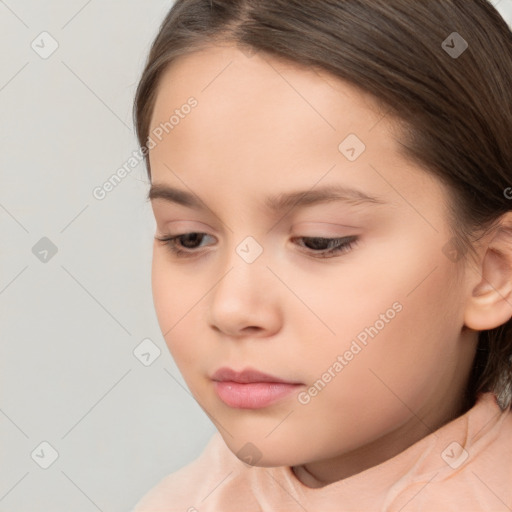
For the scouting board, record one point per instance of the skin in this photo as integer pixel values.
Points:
(262, 127)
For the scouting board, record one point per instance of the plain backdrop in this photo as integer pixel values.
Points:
(93, 411)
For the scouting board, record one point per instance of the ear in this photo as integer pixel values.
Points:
(490, 302)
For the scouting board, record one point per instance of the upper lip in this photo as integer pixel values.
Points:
(246, 376)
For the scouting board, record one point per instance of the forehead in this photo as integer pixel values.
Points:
(222, 76)
(225, 61)
(267, 125)
(261, 101)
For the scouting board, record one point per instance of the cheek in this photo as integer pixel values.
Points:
(396, 372)
(396, 325)
(164, 296)
(417, 354)
(176, 303)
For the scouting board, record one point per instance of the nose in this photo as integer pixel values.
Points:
(244, 302)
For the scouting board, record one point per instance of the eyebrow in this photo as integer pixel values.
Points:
(275, 203)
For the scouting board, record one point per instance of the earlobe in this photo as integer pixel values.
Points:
(490, 302)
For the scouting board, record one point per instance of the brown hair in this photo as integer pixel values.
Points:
(454, 111)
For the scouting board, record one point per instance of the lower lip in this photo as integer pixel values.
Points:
(254, 395)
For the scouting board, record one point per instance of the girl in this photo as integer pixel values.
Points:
(332, 270)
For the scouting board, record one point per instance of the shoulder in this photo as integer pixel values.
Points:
(475, 465)
(204, 481)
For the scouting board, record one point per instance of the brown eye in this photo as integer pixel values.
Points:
(187, 243)
(326, 247)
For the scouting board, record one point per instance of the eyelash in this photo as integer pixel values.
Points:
(345, 244)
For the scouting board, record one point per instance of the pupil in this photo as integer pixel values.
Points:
(188, 236)
(317, 243)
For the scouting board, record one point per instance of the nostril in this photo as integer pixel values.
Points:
(252, 328)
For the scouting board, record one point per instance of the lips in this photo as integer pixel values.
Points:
(246, 376)
(250, 389)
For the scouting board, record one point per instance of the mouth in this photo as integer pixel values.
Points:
(250, 389)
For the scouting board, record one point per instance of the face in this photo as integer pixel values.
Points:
(352, 302)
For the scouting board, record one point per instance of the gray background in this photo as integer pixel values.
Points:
(71, 320)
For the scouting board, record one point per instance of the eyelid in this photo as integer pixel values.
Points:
(185, 226)
(314, 225)
(315, 230)
(334, 224)
(345, 245)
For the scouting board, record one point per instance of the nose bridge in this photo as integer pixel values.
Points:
(245, 295)
(249, 250)
(242, 250)
(241, 290)
(244, 264)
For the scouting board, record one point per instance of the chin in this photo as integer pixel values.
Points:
(266, 453)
